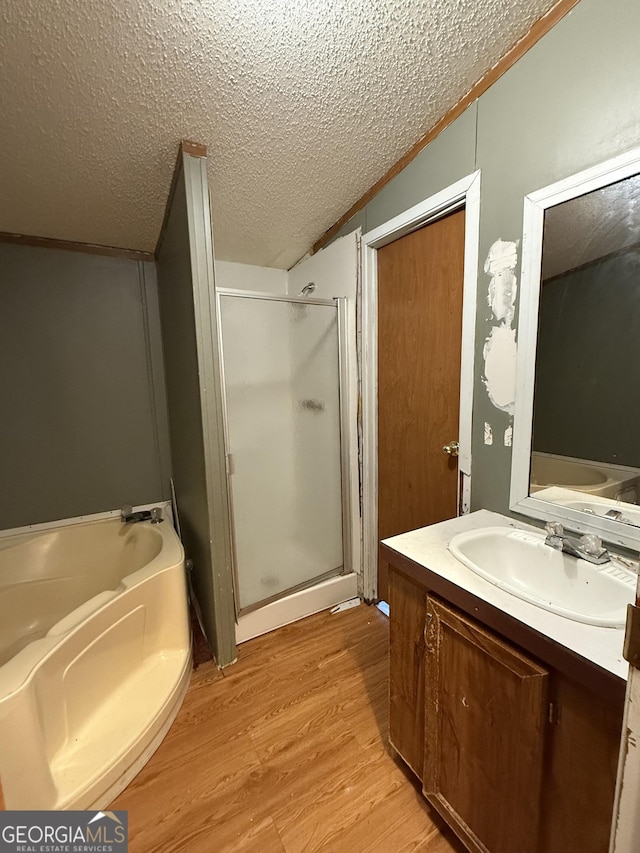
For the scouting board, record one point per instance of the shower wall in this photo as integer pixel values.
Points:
(249, 277)
(84, 423)
(186, 289)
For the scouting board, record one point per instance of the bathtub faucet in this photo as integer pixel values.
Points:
(154, 515)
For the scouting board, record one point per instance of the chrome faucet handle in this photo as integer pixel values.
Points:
(555, 533)
(592, 544)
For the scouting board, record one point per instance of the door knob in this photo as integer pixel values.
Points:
(453, 448)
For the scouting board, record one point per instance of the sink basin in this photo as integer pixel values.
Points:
(519, 562)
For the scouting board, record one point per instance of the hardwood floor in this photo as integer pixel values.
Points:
(286, 751)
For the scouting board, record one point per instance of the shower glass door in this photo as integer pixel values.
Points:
(281, 382)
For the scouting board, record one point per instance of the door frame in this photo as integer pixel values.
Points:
(625, 824)
(463, 193)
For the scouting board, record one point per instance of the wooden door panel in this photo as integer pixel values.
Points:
(485, 723)
(420, 285)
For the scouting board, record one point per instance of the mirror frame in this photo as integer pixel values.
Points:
(535, 205)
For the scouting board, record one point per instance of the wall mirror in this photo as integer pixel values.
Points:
(576, 456)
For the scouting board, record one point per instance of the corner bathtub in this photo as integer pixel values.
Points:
(95, 658)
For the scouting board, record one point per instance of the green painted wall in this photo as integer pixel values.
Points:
(572, 101)
(184, 263)
(588, 347)
(83, 426)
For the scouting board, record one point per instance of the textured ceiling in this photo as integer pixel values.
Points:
(591, 226)
(303, 105)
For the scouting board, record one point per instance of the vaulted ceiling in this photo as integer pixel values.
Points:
(303, 105)
(591, 226)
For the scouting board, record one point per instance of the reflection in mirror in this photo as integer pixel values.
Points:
(585, 447)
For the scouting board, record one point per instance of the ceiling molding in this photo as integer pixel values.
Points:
(70, 246)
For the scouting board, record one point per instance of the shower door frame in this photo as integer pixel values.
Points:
(340, 304)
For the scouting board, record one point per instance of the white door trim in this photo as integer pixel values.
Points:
(465, 192)
(625, 827)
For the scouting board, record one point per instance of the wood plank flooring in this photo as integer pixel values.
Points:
(286, 751)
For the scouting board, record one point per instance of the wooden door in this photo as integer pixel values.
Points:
(485, 725)
(420, 280)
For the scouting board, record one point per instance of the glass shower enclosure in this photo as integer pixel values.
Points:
(282, 364)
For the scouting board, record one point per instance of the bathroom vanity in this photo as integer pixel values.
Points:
(510, 715)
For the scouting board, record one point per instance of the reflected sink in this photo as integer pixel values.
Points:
(519, 562)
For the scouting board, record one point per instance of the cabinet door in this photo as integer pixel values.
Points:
(485, 722)
(579, 785)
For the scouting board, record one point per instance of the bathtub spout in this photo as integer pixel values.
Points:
(154, 515)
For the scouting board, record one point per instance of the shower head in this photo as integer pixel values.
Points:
(308, 289)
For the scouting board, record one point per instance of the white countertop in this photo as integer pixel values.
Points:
(427, 547)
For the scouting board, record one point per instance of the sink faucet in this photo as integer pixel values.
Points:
(589, 547)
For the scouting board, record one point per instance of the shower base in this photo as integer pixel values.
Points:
(296, 606)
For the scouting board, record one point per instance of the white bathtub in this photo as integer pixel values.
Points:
(95, 658)
(594, 478)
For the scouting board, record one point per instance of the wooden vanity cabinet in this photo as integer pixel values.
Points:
(516, 756)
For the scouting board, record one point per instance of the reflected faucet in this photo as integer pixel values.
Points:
(589, 547)
(613, 513)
